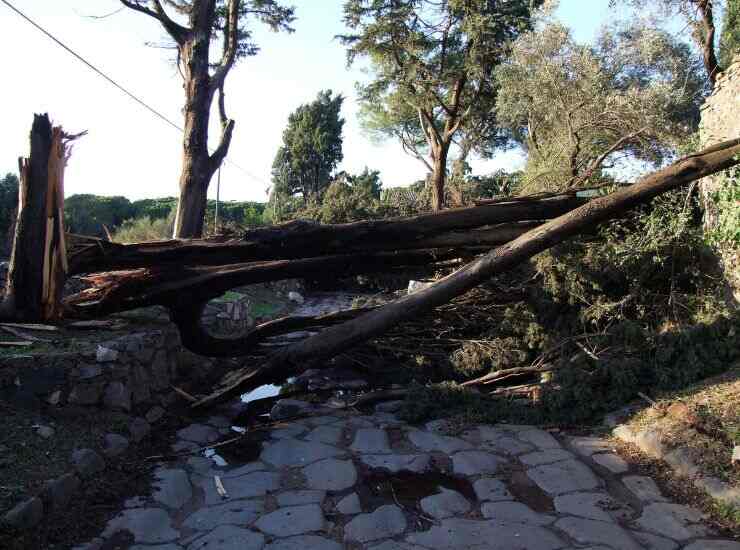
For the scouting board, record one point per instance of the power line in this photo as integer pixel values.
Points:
(110, 80)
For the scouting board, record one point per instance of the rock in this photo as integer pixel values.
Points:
(713, 545)
(293, 520)
(349, 505)
(720, 490)
(563, 477)
(325, 434)
(514, 512)
(117, 396)
(26, 514)
(654, 542)
(304, 542)
(59, 492)
(247, 468)
(674, 521)
(681, 462)
(200, 434)
(45, 432)
(434, 442)
(147, 525)
(680, 412)
(290, 452)
(172, 488)
(288, 408)
(643, 488)
(611, 462)
(252, 485)
(507, 445)
(735, 455)
(588, 531)
(386, 521)
(331, 475)
(86, 393)
(288, 432)
(229, 537)
(445, 504)
(545, 457)
(105, 355)
(239, 512)
(585, 505)
(139, 429)
(295, 297)
(539, 438)
(397, 463)
(154, 414)
(371, 440)
(456, 533)
(472, 463)
(90, 371)
(296, 498)
(489, 489)
(586, 446)
(87, 462)
(114, 445)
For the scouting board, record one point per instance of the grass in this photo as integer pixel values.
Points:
(715, 408)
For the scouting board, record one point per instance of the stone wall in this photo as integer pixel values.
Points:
(133, 373)
(720, 121)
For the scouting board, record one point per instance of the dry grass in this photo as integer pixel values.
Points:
(711, 426)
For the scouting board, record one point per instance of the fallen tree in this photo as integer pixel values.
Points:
(301, 355)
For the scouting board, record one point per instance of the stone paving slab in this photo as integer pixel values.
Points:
(308, 491)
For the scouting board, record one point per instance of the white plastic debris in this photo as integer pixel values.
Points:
(295, 297)
(416, 286)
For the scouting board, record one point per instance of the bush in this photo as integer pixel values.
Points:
(145, 229)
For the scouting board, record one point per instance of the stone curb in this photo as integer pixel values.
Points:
(649, 442)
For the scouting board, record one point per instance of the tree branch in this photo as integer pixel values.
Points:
(175, 30)
(231, 44)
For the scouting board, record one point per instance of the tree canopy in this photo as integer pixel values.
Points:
(311, 149)
(432, 64)
(577, 108)
(729, 41)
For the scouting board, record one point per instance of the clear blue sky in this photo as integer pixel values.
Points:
(129, 152)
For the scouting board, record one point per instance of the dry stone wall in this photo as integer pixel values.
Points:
(720, 121)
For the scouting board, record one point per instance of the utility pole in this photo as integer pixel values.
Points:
(218, 194)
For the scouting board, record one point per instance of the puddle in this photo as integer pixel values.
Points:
(527, 492)
(408, 488)
(243, 450)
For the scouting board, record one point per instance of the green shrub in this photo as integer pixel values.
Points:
(145, 229)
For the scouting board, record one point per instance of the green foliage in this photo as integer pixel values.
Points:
(729, 41)
(432, 65)
(311, 149)
(727, 202)
(578, 108)
(8, 208)
(87, 214)
(145, 229)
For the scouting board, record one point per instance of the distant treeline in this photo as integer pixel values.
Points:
(87, 214)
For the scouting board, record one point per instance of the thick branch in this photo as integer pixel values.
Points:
(175, 30)
(298, 357)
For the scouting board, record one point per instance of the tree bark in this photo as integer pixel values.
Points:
(439, 175)
(301, 239)
(313, 350)
(197, 168)
(38, 262)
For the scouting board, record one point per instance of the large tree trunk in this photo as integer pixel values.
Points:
(38, 262)
(439, 175)
(314, 350)
(197, 165)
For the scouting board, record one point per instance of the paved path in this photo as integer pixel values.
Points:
(342, 480)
